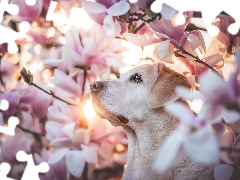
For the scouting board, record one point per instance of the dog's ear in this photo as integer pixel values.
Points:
(163, 88)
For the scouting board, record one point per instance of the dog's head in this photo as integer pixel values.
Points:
(136, 93)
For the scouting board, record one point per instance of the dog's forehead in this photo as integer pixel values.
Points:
(142, 69)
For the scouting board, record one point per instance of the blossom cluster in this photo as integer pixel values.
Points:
(64, 59)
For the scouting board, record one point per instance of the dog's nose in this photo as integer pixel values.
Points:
(96, 85)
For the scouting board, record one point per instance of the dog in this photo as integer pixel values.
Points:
(135, 101)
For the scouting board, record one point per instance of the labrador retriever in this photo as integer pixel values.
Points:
(135, 101)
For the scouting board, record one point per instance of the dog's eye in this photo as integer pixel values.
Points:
(136, 78)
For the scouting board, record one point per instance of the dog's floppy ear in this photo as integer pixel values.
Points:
(163, 88)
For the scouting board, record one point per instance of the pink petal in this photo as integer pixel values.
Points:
(93, 7)
(120, 8)
(61, 143)
(108, 25)
(69, 56)
(202, 146)
(75, 162)
(223, 172)
(182, 112)
(73, 40)
(216, 48)
(105, 150)
(90, 154)
(187, 93)
(58, 155)
(215, 60)
(197, 34)
(54, 111)
(207, 87)
(69, 130)
(81, 136)
(140, 40)
(60, 80)
(168, 12)
(231, 116)
(235, 126)
(165, 51)
(54, 130)
(53, 62)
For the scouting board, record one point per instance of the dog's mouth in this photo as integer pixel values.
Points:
(96, 106)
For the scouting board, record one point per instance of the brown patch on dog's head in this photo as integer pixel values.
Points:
(163, 89)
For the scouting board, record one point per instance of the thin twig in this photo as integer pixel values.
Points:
(138, 28)
(197, 59)
(29, 131)
(36, 135)
(52, 94)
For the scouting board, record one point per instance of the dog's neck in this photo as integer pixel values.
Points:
(145, 137)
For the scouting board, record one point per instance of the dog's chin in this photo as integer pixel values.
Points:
(112, 118)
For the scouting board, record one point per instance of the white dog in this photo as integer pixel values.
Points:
(135, 102)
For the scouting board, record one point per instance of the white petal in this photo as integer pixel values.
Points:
(69, 130)
(53, 62)
(120, 8)
(140, 40)
(202, 146)
(90, 154)
(207, 85)
(230, 116)
(182, 112)
(61, 142)
(109, 25)
(93, 7)
(165, 51)
(169, 152)
(75, 162)
(223, 172)
(187, 94)
(58, 155)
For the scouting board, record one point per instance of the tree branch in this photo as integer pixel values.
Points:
(197, 59)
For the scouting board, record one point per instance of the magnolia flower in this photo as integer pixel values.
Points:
(26, 12)
(213, 57)
(104, 13)
(170, 36)
(194, 137)
(25, 99)
(231, 41)
(10, 147)
(93, 57)
(230, 142)
(57, 171)
(221, 99)
(78, 145)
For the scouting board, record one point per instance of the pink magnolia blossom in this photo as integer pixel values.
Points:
(94, 53)
(194, 138)
(229, 140)
(170, 36)
(213, 57)
(78, 145)
(231, 41)
(11, 146)
(104, 13)
(25, 99)
(26, 12)
(57, 171)
(221, 98)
